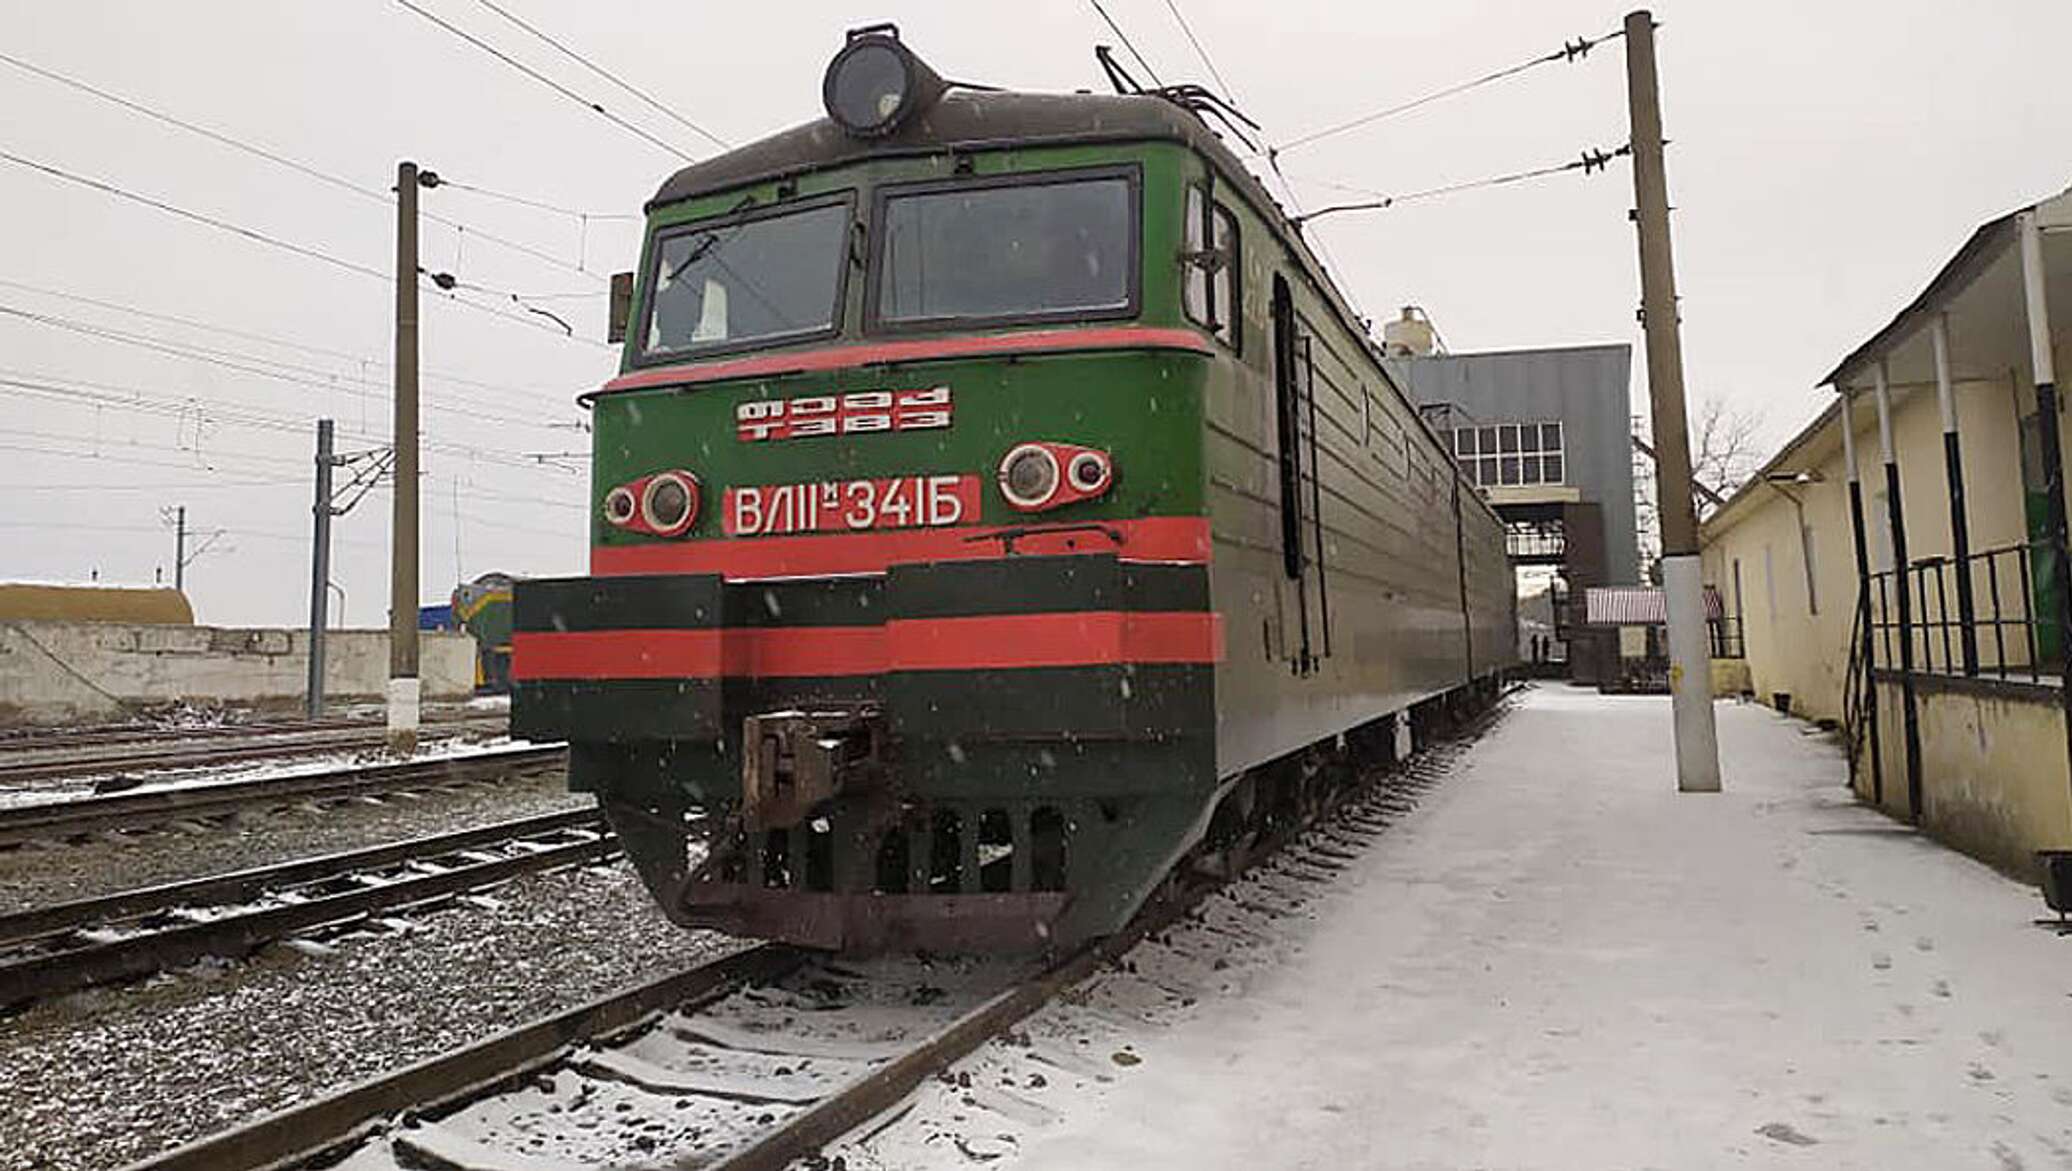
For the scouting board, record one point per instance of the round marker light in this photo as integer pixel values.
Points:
(1089, 472)
(619, 506)
(670, 502)
(1029, 476)
(875, 83)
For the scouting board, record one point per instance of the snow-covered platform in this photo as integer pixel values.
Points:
(1560, 962)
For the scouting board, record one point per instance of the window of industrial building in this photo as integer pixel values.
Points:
(1511, 454)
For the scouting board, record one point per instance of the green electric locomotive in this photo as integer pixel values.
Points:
(997, 503)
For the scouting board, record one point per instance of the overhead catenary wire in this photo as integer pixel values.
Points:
(322, 176)
(1127, 43)
(252, 364)
(256, 236)
(504, 389)
(193, 216)
(1207, 61)
(1590, 160)
(543, 79)
(537, 204)
(600, 71)
(1570, 51)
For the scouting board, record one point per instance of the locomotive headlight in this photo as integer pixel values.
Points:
(619, 506)
(669, 503)
(1029, 476)
(1090, 471)
(875, 83)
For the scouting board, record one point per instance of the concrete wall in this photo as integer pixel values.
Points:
(1586, 388)
(66, 672)
(1993, 770)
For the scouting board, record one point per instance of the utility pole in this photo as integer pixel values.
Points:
(403, 684)
(1690, 669)
(320, 570)
(180, 548)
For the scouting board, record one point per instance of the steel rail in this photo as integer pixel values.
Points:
(317, 1129)
(236, 934)
(278, 1138)
(31, 740)
(162, 756)
(64, 819)
(22, 926)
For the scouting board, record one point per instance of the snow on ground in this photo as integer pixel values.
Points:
(1558, 961)
(292, 763)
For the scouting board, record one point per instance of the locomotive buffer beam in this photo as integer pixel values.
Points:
(792, 762)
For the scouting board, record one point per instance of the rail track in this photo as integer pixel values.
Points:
(753, 1061)
(67, 819)
(55, 949)
(33, 760)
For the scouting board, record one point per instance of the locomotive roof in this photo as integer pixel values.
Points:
(963, 120)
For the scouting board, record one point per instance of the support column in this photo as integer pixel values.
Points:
(1953, 471)
(2044, 365)
(1910, 717)
(1863, 593)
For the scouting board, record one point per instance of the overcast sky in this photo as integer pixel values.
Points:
(1826, 157)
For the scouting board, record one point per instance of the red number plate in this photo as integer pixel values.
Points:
(844, 506)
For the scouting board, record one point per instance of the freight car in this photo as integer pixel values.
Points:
(997, 501)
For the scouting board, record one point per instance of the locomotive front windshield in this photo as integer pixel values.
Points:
(747, 282)
(1015, 251)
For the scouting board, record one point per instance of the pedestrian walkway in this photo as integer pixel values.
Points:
(1560, 962)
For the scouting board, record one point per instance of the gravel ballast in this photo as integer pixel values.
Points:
(37, 874)
(106, 1077)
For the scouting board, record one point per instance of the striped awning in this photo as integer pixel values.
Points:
(1638, 606)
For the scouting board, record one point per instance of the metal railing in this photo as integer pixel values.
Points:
(2004, 636)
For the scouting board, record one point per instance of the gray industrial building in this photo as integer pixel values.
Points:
(1546, 434)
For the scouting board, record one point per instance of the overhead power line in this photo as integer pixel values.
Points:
(549, 82)
(194, 216)
(273, 241)
(1590, 160)
(503, 390)
(1126, 43)
(539, 204)
(322, 176)
(1228, 94)
(1571, 51)
(600, 71)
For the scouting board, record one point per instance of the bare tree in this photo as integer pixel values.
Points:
(1723, 457)
(1723, 449)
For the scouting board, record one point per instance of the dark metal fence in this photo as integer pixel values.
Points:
(2003, 637)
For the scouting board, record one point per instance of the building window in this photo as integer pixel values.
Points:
(1511, 455)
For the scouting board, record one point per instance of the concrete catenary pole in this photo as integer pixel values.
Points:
(403, 687)
(180, 547)
(320, 570)
(1690, 671)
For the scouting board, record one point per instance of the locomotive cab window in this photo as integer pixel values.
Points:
(1210, 292)
(1017, 248)
(745, 282)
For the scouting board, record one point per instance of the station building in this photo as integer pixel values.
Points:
(1899, 566)
(1546, 435)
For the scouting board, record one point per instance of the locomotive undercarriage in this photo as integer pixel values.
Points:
(879, 868)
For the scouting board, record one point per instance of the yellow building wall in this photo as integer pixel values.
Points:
(1993, 772)
(1791, 648)
(1994, 764)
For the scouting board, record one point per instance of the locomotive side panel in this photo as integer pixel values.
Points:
(1374, 616)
